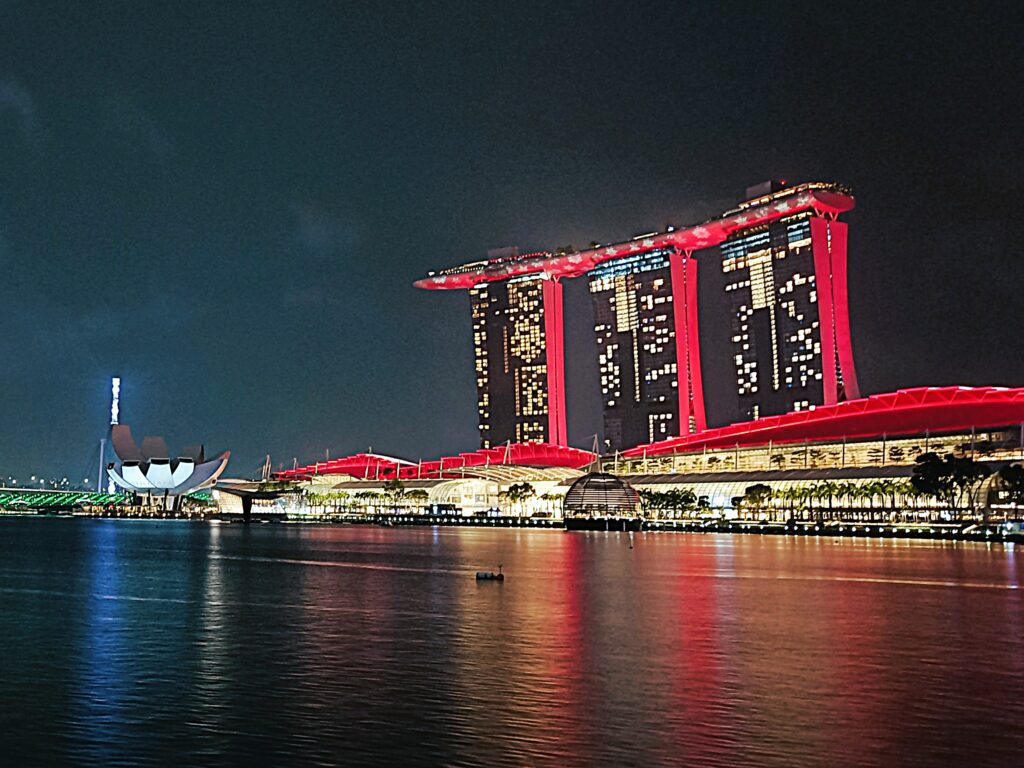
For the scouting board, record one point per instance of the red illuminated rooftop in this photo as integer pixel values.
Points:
(824, 199)
(905, 412)
(371, 466)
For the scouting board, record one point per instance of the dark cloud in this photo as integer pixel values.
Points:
(233, 202)
(133, 126)
(16, 100)
(322, 233)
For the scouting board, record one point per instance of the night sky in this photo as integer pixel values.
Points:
(227, 205)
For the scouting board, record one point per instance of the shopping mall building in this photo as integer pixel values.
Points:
(864, 442)
(798, 419)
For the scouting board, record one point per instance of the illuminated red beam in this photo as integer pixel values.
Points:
(693, 238)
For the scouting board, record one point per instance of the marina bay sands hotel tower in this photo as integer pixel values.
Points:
(783, 254)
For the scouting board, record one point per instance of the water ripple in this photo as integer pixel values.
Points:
(129, 644)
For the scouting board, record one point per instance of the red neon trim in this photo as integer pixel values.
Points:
(826, 313)
(554, 339)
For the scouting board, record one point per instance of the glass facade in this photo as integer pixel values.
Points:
(987, 445)
(635, 329)
(772, 289)
(512, 355)
(783, 255)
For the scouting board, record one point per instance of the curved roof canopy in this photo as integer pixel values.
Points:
(904, 412)
(488, 463)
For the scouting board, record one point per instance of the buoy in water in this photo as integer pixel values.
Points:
(490, 575)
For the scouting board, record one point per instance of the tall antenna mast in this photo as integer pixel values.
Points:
(115, 418)
(99, 472)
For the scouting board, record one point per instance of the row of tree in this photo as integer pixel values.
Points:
(878, 494)
(673, 502)
(955, 482)
(394, 496)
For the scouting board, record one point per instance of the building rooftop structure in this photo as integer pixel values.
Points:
(784, 251)
(883, 430)
(904, 412)
(511, 462)
(821, 197)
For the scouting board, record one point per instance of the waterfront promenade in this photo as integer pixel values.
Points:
(939, 530)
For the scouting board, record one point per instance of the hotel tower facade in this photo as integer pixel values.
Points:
(786, 291)
(783, 255)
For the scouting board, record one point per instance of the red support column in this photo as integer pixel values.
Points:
(693, 345)
(689, 381)
(841, 311)
(828, 240)
(554, 340)
(826, 311)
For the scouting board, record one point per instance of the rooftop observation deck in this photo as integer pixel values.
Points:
(823, 198)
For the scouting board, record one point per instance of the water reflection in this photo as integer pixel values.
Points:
(102, 686)
(139, 643)
(698, 715)
(213, 643)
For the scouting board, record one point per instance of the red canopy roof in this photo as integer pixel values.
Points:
(905, 412)
(375, 467)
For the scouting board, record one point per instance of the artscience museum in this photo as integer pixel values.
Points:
(151, 471)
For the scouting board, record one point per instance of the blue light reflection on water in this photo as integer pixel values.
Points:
(101, 689)
(173, 643)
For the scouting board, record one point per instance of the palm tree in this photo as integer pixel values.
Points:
(826, 489)
(345, 500)
(366, 498)
(417, 497)
(802, 495)
(786, 494)
(807, 495)
(552, 499)
(865, 492)
(394, 491)
(314, 500)
(517, 493)
(680, 499)
(648, 500)
(883, 489)
(903, 488)
(846, 492)
(757, 497)
(879, 491)
(797, 496)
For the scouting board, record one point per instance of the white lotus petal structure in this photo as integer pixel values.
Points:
(143, 472)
